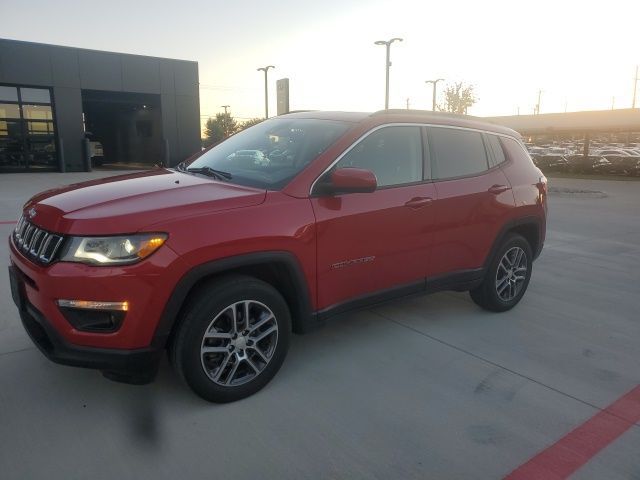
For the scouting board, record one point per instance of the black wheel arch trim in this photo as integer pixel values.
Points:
(304, 319)
(510, 225)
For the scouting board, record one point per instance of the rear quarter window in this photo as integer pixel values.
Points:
(514, 151)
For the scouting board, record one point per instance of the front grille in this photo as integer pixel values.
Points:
(35, 243)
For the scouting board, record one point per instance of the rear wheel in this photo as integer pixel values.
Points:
(507, 277)
(232, 339)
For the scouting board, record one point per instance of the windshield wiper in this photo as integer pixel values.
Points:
(211, 172)
(181, 167)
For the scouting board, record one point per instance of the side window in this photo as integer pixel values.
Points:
(496, 148)
(456, 153)
(393, 154)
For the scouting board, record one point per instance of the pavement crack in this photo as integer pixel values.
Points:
(2, 354)
(502, 367)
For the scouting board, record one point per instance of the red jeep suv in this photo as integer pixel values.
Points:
(270, 232)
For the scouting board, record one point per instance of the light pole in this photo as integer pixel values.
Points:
(225, 108)
(266, 89)
(387, 65)
(635, 88)
(435, 83)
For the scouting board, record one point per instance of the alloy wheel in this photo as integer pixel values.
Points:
(239, 343)
(511, 274)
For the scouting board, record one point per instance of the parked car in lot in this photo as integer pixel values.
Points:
(551, 163)
(621, 165)
(249, 158)
(537, 151)
(588, 164)
(218, 260)
(632, 152)
(558, 151)
(619, 152)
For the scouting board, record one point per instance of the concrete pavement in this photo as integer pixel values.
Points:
(428, 387)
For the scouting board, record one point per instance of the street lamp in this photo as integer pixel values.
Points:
(435, 83)
(225, 108)
(387, 65)
(266, 89)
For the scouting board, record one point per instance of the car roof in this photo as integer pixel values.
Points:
(405, 116)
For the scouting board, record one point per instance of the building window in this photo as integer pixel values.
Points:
(10, 94)
(27, 129)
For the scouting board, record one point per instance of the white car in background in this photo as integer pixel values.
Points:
(613, 151)
(255, 157)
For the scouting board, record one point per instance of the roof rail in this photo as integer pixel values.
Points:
(300, 111)
(426, 113)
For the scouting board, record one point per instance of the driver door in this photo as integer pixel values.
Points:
(369, 243)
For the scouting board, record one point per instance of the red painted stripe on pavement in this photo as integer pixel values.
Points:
(11, 222)
(580, 445)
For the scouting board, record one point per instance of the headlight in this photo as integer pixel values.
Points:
(112, 250)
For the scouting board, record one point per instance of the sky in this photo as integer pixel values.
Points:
(581, 54)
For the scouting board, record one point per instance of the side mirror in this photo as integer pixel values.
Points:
(350, 180)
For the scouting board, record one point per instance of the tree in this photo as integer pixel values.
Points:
(458, 97)
(219, 128)
(250, 123)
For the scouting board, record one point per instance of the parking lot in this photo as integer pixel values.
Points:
(426, 387)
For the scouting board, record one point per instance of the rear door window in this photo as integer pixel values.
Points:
(456, 152)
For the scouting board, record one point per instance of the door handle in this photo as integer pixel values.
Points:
(497, 189)
(419, 202)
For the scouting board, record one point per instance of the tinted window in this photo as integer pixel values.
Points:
(393, 154)
(9, 94)
(496, 148)
(457, 153)
(37, 95)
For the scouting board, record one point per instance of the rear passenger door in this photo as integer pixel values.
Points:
(474, 198)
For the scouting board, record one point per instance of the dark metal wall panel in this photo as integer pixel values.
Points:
(1, 65)
(68, 111)
(188, 125)
(26, 63)
(64, 63)
(167, 82)
(140, 74)
(170, 126)
(100, 70)
(186, 78)
(69, 71)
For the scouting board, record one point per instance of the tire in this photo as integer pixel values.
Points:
(492, 294)
(232, 362)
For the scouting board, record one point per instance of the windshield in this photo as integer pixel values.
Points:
(270, 154)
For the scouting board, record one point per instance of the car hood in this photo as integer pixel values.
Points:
(130, 203)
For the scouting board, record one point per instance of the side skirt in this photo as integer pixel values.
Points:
(458, 281)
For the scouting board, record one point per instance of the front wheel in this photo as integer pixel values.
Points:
(507, 277)
(232, 339)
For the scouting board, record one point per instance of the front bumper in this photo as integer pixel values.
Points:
(137, 366)
(145, 286)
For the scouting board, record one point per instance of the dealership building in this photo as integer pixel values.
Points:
(62, 108)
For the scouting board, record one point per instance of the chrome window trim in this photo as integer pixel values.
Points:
(402, 124)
